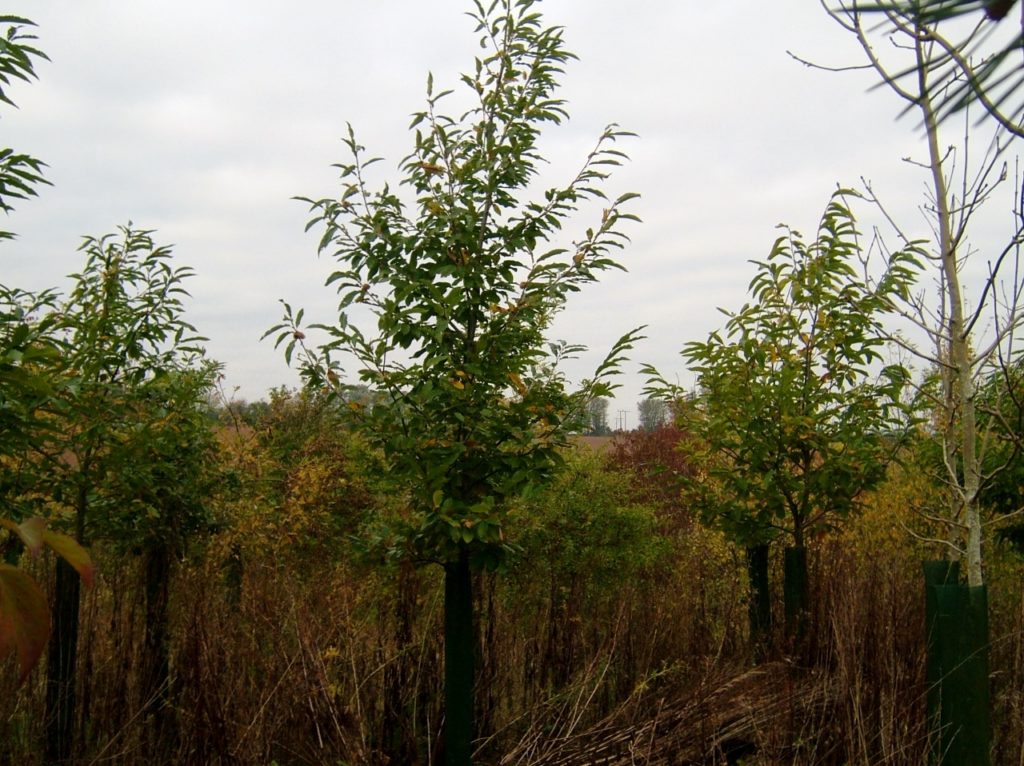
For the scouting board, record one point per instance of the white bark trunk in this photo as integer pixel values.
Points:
(958, 380)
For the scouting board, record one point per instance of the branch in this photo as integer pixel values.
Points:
(941, 520)
(933, 540)
(1013, 246)
(1003, 517)
(972, 81)
(824, 68)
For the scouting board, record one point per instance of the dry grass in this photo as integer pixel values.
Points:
(340, 665)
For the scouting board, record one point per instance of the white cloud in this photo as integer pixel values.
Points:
(203, 119)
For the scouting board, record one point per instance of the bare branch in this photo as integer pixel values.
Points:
(932, 540)
(1003, 517)
(823, 67)
(972, 81)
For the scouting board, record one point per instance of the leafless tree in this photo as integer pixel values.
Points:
(969, 322)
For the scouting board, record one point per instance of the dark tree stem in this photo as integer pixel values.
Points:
(60, 669)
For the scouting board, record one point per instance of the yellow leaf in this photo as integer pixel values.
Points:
(71, 552)
(517, 383)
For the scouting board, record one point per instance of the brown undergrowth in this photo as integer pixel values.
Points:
(583, 659)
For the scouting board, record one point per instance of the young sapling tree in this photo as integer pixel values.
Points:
(462, 285)
(798, 412)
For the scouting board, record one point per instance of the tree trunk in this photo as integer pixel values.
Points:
(398, 730)
(63, 649)
(960, 622)
(458, 662)
(155, 671)
(60, 666)
(759, 610)
(957, 373)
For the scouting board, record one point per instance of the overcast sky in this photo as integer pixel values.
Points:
(201, 119)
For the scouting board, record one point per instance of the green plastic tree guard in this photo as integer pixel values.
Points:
(760, 607)
(958, 692)
(795, 593)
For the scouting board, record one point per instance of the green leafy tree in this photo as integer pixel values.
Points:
(583, 540)
(28, 356)
(19, 173)
(72, 375)
(166, 480)
(653, 413)
(26, 346)
(462, 283)
(597, 416)
(796, 421)
(119, 329)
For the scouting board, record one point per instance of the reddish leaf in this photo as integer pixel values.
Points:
(71, 552)
(24, 618)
